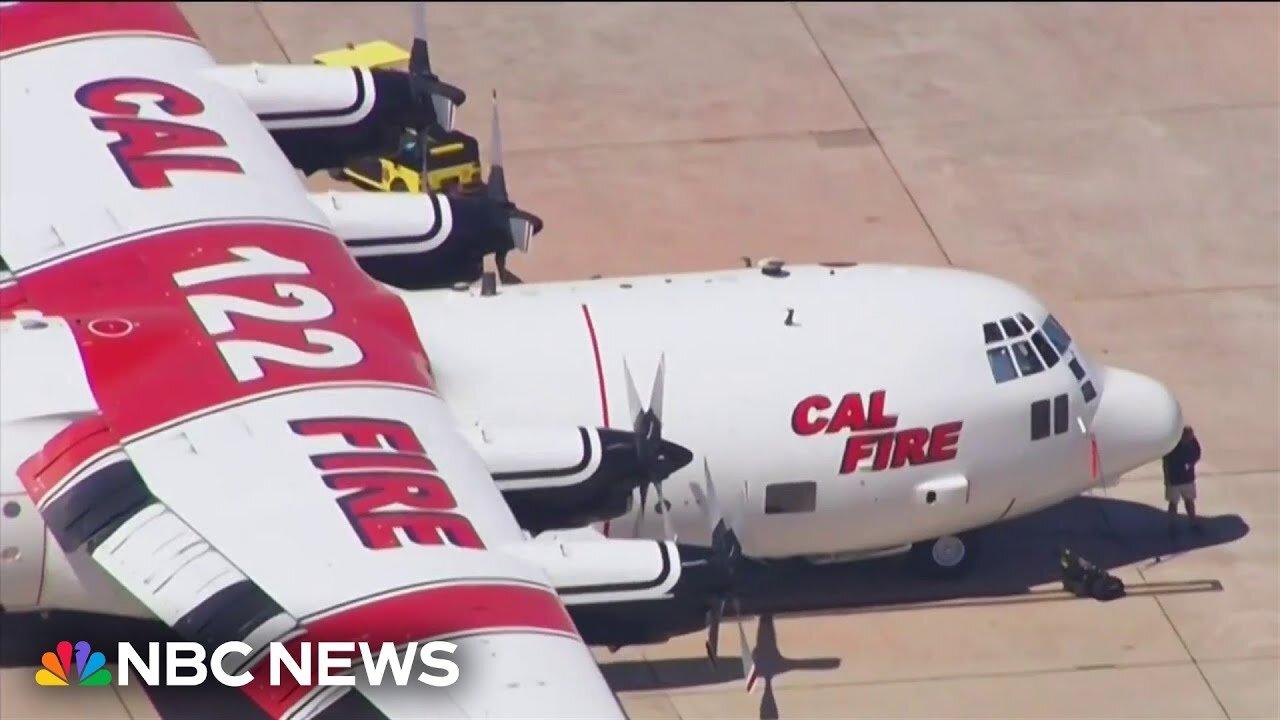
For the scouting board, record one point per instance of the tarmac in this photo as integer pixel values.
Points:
(1121, 160)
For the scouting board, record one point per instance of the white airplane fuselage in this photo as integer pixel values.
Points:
(878, 391)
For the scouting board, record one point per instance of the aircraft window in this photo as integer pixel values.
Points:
(1001, 364)
(1046, 350)
(1026, 322)
(1039, 419)
(795, 497)
(1088, 391)
(1028, 363)
(1057, 334)
(1060, 414)
(1011, 328)
(991, 333)
(1076, 369)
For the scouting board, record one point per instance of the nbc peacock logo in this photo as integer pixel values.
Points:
(90, 668)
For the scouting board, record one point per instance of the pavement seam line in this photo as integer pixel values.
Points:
(795, 8)
(942, 678)
(1117, 538)
(257, 10)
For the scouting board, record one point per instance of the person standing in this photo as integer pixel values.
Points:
(1180, 479)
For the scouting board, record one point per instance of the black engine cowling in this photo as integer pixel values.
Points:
(631, 592)
(568, 477)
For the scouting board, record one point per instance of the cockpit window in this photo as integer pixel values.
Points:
(1017, 348)
(1045, 349)
(1057, 334)
(1011, 328)
(991, 333)
(1001, 364)
(1076, 369)
(1026, 358)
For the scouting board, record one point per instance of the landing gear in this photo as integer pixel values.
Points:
(949, 557)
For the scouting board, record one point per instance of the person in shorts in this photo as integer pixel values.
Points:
(1180, 479)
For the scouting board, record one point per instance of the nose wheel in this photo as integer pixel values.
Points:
(945, 558)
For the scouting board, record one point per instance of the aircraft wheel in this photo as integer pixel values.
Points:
(946, 558)
(337, 174)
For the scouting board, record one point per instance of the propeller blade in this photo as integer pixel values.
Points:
(497, 175)
(655, 396)
(523, 226)
(644, 500)
(714, 617)
(725, 541)
(668, 529)
(714, 514)
(419, 56)
(440, 99)
(633, 397)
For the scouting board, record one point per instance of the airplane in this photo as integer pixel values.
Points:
(846, 429)
(861, 410)
(211, 416)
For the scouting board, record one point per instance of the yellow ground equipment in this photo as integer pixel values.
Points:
(452, 162)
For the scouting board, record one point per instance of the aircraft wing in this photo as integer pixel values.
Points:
(268, 460)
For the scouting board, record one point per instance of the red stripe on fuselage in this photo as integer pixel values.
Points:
(150, 360)
(433, 613)
(595, 354)
(604, 396)
(29, 25)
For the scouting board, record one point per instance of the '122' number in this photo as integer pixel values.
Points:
(244, 357)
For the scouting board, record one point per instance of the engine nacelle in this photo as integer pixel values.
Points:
(628, 592)
(415, 241)
(323, 117)
(387, 224)
(557, 477)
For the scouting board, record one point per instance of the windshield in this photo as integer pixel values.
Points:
(1057, 334)
(1017, 348)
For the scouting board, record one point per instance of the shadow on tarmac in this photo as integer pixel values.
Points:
(1016, 557)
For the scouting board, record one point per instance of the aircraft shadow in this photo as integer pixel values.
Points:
(1016, 557)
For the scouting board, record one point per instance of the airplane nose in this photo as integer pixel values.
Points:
(1137, 422)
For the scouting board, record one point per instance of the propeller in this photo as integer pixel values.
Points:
(726, 553)
(521, 225)
(437, 101)
(657, 457)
